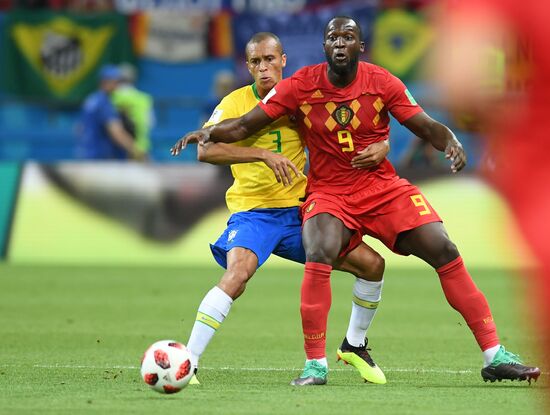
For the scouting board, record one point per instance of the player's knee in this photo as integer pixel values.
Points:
(322, 254)
(447, 253)
(234, 282)
(373, 270)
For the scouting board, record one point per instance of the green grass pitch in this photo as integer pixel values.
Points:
(72, 339)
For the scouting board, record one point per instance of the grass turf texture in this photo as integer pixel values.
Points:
(73, 337)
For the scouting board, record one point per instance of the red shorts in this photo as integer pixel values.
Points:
(382, 212)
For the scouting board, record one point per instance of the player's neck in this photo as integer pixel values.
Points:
(341, 80)
(260, 93)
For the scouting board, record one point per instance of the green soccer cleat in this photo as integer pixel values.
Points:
(314, 374)
(360, 358)
(506, 365)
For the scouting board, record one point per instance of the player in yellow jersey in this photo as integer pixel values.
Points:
(264, 201)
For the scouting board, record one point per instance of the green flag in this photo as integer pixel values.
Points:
(56, 55)
(401, 41)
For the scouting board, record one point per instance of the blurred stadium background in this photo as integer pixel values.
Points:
(56, 207)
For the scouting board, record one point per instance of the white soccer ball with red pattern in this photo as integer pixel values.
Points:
(166, 366)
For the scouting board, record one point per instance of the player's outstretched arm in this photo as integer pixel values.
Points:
(226, 131)
(222, 153)
(440, 136)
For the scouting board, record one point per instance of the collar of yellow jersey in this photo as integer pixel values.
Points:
(255, 90)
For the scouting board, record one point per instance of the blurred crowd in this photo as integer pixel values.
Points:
(184, 57)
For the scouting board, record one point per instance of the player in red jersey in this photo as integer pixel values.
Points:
(342, 106)
(518, 125)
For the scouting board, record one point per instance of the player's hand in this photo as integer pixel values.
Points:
(201, 136)
(455, 152)
(282, 167)
(371, 155)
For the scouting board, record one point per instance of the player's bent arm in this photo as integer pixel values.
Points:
(428, 129)
(440, 136)
(372, 155)
(230, 130)
(222, 153)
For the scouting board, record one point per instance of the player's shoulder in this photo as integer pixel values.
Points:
(238, 93)
(307, 78)
(372, 70)
(375, 78)
(307, 72)
(239, 99)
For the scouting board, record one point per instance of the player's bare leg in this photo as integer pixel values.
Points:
(431, 243)
(214, 308)
(368, 267)
(324, 236)
(241, 266)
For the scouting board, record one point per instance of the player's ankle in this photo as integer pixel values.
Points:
(489, 354)
(323, 361)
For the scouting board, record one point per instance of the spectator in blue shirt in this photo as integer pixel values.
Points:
(102, 133)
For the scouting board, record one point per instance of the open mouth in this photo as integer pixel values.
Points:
(340, 57)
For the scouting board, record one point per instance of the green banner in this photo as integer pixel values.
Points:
(57, 55)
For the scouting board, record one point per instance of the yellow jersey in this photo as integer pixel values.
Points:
(255, 185)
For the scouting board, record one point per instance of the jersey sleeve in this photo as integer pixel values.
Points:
(399, 100)
(280, 100)
(226, 109)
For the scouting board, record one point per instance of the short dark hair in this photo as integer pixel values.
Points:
(260, 37)
(360, 31)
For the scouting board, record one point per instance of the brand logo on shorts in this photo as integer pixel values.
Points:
(310, 207)
(343, 115)
(231, 236)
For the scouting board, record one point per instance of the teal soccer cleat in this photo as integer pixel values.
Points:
(314, 373)
(506, 365)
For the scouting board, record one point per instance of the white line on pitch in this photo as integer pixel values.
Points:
(243, 369)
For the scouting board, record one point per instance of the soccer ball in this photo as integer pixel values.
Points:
(166, 366)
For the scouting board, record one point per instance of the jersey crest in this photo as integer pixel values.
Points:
(343, 115)
(232, 235)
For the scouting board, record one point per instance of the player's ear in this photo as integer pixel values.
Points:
(248, 67)
(283, 60)
(362, 48)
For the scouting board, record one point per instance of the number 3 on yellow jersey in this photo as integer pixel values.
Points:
(344, 137)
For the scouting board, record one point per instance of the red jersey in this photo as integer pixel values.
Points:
(336, 123)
